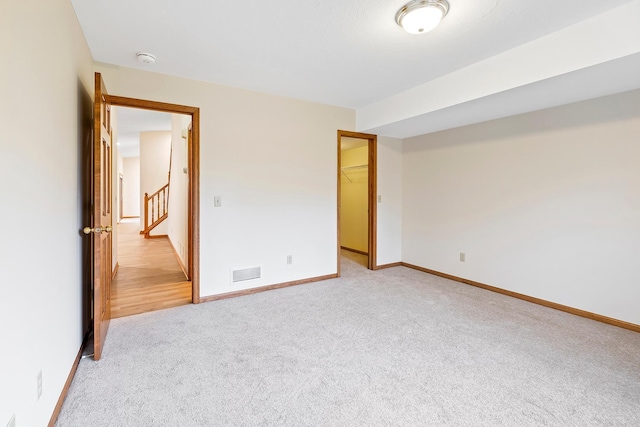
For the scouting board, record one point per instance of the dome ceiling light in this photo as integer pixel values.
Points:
(421, 16)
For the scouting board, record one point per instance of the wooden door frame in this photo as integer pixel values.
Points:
(372, 142)
(193, 213)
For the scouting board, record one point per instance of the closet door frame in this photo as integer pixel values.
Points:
(372, 196)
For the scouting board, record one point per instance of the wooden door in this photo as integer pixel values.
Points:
(101, 230)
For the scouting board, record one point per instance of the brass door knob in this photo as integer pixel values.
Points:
(97, 230)
(89, 230)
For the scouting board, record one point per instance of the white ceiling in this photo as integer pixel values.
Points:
(348, 53)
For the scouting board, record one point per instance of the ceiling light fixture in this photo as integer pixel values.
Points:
(421, 16)
(146, 58)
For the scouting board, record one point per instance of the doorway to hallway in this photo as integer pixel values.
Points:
(189, 251)
(151, 237)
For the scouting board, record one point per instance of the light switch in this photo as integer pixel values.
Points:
(217, 201)
(379, 198)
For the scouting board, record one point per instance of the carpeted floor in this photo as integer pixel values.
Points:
(395, 347)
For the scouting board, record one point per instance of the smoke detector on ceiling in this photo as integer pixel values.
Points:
(146, 58)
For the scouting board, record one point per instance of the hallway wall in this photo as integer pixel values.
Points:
(131, 186)
(177, 226)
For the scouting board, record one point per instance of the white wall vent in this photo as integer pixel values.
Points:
(246, 274)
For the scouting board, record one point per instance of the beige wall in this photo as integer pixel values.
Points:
(354, 206)
(389, 203)
(273, 162)
(177, 224)
(46, 69)
(131, 186)
(545, 204)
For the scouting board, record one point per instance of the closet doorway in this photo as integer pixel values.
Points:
(357, 189)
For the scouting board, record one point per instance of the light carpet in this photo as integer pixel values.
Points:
(395, 347)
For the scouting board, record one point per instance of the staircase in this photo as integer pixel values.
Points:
(158, 206)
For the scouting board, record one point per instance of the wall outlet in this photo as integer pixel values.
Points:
(39, 379)
(217, 201)
(462, 257)
(289, 259)
(12, 421)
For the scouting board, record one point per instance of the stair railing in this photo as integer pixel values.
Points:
(158, 206)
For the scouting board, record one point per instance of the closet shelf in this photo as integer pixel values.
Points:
(352, 168)
(348, 168)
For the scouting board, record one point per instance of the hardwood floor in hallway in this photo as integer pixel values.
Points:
(149, 276)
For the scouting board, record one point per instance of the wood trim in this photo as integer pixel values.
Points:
(534, 300)
(371, 197)
(150, 105)
(131, 217)
(146, 213)
(383, 266)
(115, 270)
(194, 206)
(359, 135)
(266, 288)
(339, 204)
(354, 250)
(67, 384)
(194, 178)
(373, 202)
(158, 236)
